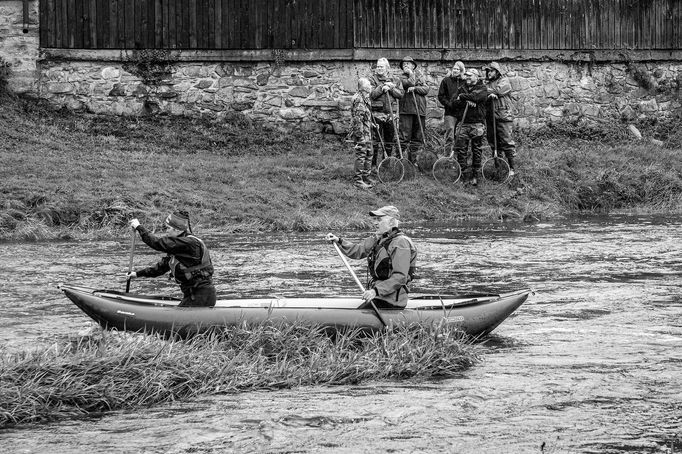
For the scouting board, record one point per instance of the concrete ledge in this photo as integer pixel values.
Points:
(369, 54)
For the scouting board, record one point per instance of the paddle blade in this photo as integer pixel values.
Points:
(495, 170)
(446, 171)
(390, 170)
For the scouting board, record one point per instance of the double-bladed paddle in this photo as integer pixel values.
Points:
(357, 281)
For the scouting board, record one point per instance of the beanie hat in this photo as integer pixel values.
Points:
(178, 220)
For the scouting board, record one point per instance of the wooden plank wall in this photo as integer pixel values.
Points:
(518, 24)
(347, 24)
(196, 24)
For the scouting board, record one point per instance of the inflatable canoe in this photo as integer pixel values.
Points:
(475, 314)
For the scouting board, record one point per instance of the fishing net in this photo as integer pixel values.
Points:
(410, 170)
(495, 169)
(446, 170)
(390, 170)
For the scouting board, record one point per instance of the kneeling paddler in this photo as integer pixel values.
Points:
(391, 259)
(188, 259)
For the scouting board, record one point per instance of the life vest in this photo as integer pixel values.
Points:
(199, 272)
(384, 268)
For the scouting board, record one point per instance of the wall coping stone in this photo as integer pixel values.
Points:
(364, 54)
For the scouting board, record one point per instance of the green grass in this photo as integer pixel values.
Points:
(81, 175)
(113, 371)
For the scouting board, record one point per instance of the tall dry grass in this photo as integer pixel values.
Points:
(115, 371)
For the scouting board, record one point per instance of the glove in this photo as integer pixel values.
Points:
(369, 295)
(134, 224)
(332, 238)
(131, 275)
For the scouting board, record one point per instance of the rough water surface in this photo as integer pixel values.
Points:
(592, 363)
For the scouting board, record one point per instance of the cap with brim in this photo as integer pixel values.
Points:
(178, 221)
(471, 72)
(496, 66)
(407, 60)
(388, 210)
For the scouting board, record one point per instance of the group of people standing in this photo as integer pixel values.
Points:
(388, 108)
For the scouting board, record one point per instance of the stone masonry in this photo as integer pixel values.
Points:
(314, 95)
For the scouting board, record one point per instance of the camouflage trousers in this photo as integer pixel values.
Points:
(364, 152)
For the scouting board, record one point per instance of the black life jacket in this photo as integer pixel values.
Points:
(383, 270)
(192, 274)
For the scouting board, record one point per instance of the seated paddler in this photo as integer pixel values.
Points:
(391, 259)
(187, 259)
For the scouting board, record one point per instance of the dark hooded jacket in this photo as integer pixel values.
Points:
(477, 93)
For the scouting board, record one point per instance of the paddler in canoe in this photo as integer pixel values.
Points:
(187, 259)
(391, 260)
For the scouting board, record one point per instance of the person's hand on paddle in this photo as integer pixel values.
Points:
(369, 295)
(411, 89)
(131, 275)
(134, 223)
(332, 238)
(492, 96)
(471, 104)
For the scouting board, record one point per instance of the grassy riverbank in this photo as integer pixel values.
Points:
(80, 175)
(115, 371)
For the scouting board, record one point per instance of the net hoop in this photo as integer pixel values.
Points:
(495, 170)
(446, 170)
(390, 170)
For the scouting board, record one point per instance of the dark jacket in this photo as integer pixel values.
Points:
(188, 259)
(503, 106)
(447, 93)
(407, 102)
(380, 99)
(391, 259)
(478, 94)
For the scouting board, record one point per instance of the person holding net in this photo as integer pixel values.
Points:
(472, 129)
(386, 89)
(447, 94)
(361, 134)
(500, 104)
(412, 106)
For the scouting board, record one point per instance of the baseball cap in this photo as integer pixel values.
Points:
(471, 72)
(388, 210)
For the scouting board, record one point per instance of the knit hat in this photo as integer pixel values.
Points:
(388, 210)
(178, 220)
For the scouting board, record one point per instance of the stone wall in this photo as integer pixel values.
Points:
(19, 46)
(314, 94)
(317, 94)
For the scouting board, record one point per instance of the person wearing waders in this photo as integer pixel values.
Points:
(412, 105)
(386, 91)
(501, 104)
(361, 134)
(391, 260)
(473, 95)
(447, 94)
(187, 259)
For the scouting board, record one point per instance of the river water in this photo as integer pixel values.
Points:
(592, 363)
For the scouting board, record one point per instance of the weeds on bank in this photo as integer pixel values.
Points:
(78, 174)
(115, 371)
